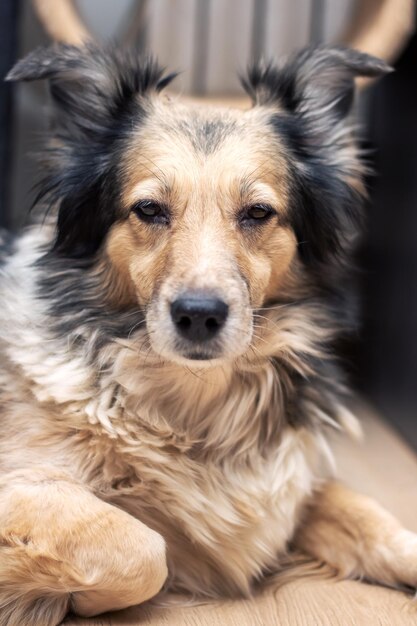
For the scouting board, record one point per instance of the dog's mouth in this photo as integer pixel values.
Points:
(196, 356)
(201, 353)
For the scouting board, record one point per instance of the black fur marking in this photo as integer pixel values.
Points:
(317, 381)
(76, 295)
(325, 390)
(209, 134)
(316, 83)
(99, 96)
(205, 135)
(325, 210)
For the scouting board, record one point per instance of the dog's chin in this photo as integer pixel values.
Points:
(196, 359)
(199, 356)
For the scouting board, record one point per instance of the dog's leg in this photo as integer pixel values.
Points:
(61, 548)
(358, 537)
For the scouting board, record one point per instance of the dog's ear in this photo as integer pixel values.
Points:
(99, 94)
(316, 84)
(51, 62)
(89, 83)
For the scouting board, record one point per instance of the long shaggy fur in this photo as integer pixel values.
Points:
(217, 458)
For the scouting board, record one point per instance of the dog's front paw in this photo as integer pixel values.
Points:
(122, 562)
(62, 548)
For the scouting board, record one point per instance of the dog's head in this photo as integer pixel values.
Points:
(204, 215)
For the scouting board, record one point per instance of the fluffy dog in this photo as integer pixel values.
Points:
(168, 374)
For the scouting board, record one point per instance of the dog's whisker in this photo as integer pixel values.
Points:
(135, 327)
(135, 312)
(274, 307)
(268, 320)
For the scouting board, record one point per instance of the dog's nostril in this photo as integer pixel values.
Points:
(212, 324)
(184, 322)
(198, 317)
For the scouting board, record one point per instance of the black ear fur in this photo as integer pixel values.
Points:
(317, 83)
(95, 95)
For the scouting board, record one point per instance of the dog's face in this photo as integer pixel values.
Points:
(204, 215)
(206, 239)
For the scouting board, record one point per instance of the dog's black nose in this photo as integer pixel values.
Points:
(198, 317)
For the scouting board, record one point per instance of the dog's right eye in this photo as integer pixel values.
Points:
(151, 212)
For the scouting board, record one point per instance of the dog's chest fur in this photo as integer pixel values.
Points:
(226, 508)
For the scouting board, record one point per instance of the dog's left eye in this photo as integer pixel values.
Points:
(151, 211)
(255, 214)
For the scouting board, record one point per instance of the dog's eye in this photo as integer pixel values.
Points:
(151, 211)
(256, 214)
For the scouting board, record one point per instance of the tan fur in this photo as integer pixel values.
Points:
(357, 537)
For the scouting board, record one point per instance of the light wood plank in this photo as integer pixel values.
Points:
(382, 466)
(302, 603)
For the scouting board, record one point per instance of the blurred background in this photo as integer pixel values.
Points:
(210, 41)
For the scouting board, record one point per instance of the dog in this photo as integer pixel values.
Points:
(168, 378)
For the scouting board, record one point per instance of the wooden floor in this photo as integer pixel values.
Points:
(382, 466)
